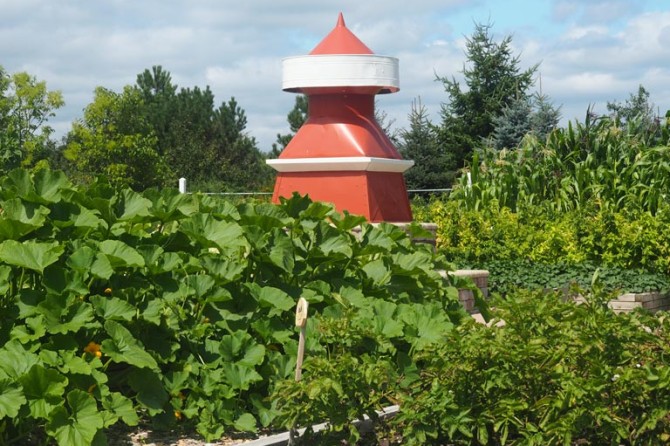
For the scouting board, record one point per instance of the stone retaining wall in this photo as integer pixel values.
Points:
(653, 301)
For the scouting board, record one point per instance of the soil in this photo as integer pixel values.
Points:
(138, 436)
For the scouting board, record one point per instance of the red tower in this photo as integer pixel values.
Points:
(340, 154)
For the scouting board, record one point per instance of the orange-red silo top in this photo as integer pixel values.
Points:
(341, 41)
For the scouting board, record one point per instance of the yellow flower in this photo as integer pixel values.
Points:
(93, 349)
(108, 291)
(178, 415)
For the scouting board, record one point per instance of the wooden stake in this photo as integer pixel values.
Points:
(301, 322)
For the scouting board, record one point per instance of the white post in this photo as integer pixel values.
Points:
(182, 185)
(469, 180)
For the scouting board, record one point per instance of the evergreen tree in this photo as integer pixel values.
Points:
(534, 114)
(420, 143)
(494, 79)
(545, 116)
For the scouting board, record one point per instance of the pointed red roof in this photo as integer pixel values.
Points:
(341, 41)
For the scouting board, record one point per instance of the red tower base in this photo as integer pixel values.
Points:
(378, 196)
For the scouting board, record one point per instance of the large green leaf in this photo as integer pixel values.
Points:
(30, 254)
(378, 272)
(201, 283)
(150, 391)
(89, 219)
(274, 298)
(85, 260)
(11, 398)
(282, 251)
(62, 281)
(224, 269)
(49, 185)
(239, 376)
(15, 360)
(132, 206)
(239, 347)
(223, 234)
(113, 308)
(59, 317)
(124, 348)
(121, 407)
(425, 324)
(245, 423)
(121, 255)
(79, 427)
(44, 389)
(170, 204)
(20, 218)
(415, 262)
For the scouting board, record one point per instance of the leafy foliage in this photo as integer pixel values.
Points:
(628, 239)
(25, 107)
(179, 309)
(151, 134)
(555, 373)
(505, 276)
(114, 139)
(594, 162)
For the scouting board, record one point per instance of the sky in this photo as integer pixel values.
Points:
(589, 51)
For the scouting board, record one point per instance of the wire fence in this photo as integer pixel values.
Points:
(182, 189)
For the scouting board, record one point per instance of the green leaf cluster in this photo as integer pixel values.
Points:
(554, 373)
(179, 309)
(630, 239)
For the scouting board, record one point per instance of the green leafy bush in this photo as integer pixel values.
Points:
(627, 239)
(179, 309)
(555, 373)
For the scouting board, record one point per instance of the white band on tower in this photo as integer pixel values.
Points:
(340, 164)
(340, 70)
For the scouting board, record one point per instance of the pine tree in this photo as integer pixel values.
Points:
(421, 144)
(494, 80)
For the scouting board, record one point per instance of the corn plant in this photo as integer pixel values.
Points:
(597, 161)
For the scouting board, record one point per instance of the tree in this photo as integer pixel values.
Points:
(421, 144)
(296, 118)
(159, 97)
(545, 116)
(241, 165)
(534, 114)
(637, 106)
(494, 80)
(113, 139)
(25, 108)
(198, 141)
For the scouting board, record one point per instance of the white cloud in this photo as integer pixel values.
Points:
(237, 47)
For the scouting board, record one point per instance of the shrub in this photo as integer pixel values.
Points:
(555, 373)
(627, 239)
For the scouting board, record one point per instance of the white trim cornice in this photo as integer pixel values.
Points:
(348, 163)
